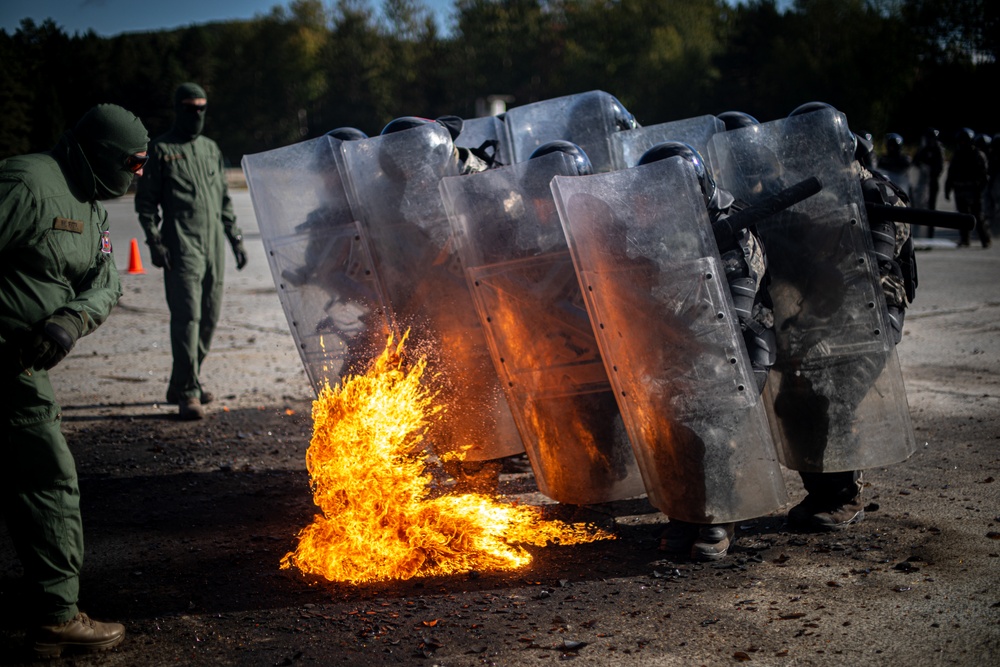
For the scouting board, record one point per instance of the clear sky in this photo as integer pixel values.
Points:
(112, 17)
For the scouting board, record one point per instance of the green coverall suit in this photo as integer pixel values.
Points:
(185, 179)
(56, 267)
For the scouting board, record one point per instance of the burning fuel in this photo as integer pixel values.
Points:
(369, 475)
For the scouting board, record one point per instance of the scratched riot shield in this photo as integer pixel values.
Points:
(656, 291)
(394, 193)
(318, 258)
(480, 133)
(540, 336)
(628, 146)
(835, 396)
(586, 119)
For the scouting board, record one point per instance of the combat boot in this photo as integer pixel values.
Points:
(206, 397)
(190, 409)
(678, 537)
(713, 541)
(815, 514)
(481, 477)
(80, 634)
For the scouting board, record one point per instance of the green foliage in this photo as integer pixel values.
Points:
(310, 66)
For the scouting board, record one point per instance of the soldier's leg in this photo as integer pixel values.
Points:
(211, 307)
(184, 298)
(41, 497)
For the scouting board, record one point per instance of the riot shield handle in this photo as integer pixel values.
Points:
(920, 216)
(726, 229)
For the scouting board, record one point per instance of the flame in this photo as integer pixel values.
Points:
(369, 476)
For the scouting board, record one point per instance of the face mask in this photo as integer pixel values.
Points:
(190, 121)
(113, 183)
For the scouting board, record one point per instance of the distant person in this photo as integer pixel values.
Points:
(929, 161)
(894, 164)
(967, 177)
(186, 182)
(991, 201)
(58, 283)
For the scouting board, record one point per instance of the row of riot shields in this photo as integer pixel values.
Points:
(587, 319)
(595, 121)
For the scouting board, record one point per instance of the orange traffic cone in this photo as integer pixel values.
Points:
(135, 259)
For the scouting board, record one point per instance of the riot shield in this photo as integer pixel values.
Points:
(627, 147)
(586, 119)
(541, 339)
(904, 179)
(318, 258)
(656, 291)
(477, 131)
(835, 396)
(394, 193)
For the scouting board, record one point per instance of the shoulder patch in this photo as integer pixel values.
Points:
(67, 225)
(174, 156)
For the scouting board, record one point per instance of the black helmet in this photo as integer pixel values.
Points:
(404, 123)
(931, 133)
(734, 120)
(893, 141)
(580, 159)
(669, 149)
(858, 147)
(347, 134)
(983, 142)
(809, 107)
(624, 120)
(965, 136)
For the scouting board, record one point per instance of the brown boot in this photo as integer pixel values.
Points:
(189, 409)
(81, 634)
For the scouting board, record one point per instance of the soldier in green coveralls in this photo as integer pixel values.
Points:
(185, 180)
(58, 282)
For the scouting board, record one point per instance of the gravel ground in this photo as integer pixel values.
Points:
(186, 522)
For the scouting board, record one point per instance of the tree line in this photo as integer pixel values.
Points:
(309, 66)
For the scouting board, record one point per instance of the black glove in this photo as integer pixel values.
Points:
(159, 254)
(239, 252)
(50, 340)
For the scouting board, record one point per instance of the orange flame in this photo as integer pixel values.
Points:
(369, 478)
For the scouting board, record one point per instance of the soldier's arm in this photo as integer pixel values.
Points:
(233, 232)
(17, 214)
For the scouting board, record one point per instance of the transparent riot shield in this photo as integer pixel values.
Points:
(904, 179)
(627, 147)
(835, 396)
(655, 288)
(477, 131)
(394, 192)
(587, 119)
(540, 336)
(318, 258)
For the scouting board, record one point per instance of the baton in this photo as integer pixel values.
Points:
(965, 222)
(725, 230)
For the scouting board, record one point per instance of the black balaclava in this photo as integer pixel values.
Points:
(189, 121)
(98, 146)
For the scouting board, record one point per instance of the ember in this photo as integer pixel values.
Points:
(369, 477)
